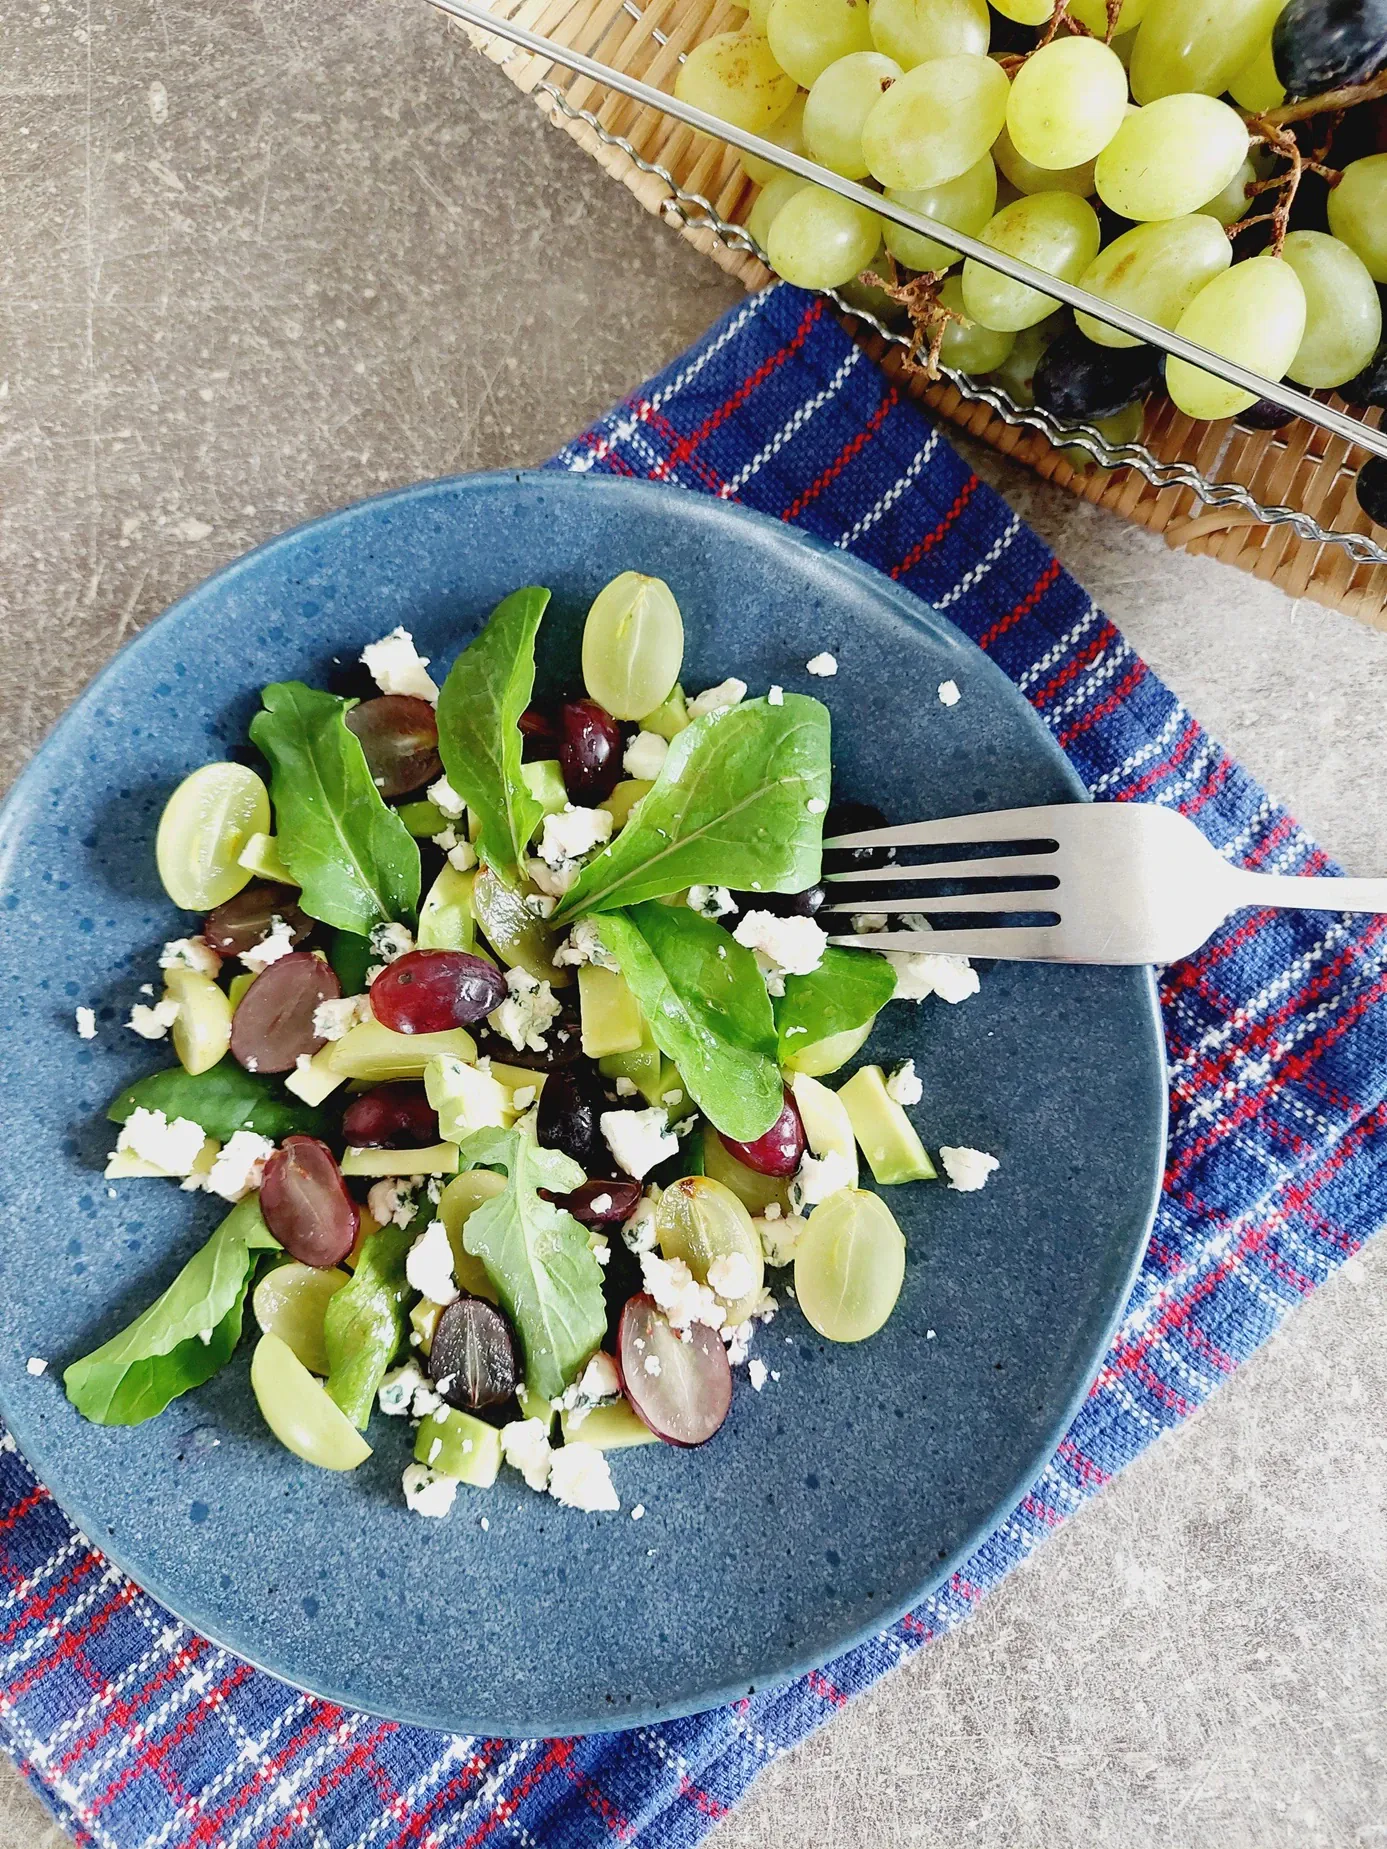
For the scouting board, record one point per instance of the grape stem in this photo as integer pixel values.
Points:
(1330, 101)
(1285, 185)
(1060, 16)
(929, 316)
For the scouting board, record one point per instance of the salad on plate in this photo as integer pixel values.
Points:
(505, 1035)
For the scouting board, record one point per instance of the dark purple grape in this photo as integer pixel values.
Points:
(306, 1204)
(539, 733)
(850, 818)
(563, 1045)
(782, 904)
(1077, 379)
(1370, 385)
(1264, 415)
(777, 1151)
(399, 735)
(1371, 488)
(590, 747)
(248, 919)
(472, 1357)
(1319, 45)
(681, 1389)
(273, 1024)
(395, 1116)
(570, 1107)
(430, 991)
(620, 1197)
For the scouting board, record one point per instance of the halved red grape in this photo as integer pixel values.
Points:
(779, 1150)
(274, 1023)
(391, 1117)
(568, 1118)
(306, 1204)
(249, 918)
(472, 1358)
(430, 991)
(599, 1203)
(590, 747)
(399, 735)
(682, 1390)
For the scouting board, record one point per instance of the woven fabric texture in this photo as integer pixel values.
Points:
(140, 1733)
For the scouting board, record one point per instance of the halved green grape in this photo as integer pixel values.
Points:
(914, 31)
(819, 240)
(202, 1032)
(1026, 177)
(849, 1265)
(1122, 427)
(788, 133)
(1067, 102)
(203, 832)
(445, 917)
(936, 122)
(1016, 374)
(806, 36)
(767, 204)
(965, 203)
(701, 1220)
(1154, 270)
(1171, 157)
(298, 1411)
(1253, 313)
(756, 1192)
(839, 103)
(456, 1205)
(1257, 88)
(734, 75)
(519, 938)
(1343, 316)
(1055, 232)
(820, 1057)
(970, 348)
(291, 1302)
(633, 645)
(1358, 212)
(1198, 45)
(1094, 15)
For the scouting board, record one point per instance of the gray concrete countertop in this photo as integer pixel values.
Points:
(259, 259)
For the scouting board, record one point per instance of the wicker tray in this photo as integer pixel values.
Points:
(1277, 504)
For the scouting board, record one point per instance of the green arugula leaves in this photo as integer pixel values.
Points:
(479, 711)
(706, 1003)
(537, 1255)
(844, 992)
(366, 1322)
(356, 861)
(185, 1335)
(224, 1099)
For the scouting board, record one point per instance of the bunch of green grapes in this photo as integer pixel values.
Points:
(1123, 156)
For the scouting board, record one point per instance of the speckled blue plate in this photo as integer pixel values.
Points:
(827, 1504)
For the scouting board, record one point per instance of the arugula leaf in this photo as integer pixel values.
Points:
(537, 1256)
(184, 1336)
(356, 861)
(366, 1322)
(479, 711)
(729, 808)
(706, 1002)
(224, 1099)
(844, 992)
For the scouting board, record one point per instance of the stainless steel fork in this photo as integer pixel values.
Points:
(1086, 883)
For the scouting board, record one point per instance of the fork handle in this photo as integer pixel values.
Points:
(1313, 893)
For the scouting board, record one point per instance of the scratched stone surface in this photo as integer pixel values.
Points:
(261, 258)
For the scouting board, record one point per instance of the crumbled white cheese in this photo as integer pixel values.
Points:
(949, 694)
(462, 856)
(779, 1236)
(816, 805)
(731, 1276)
(967, 1169)
(523, 1097)
(639, 1140)
(174, 1147)
(776, 697)
(952, 979)
(553, 883)
(645, 756)
(240, 1165)
(527, 1013)
(730, 692)
(600, 1204)
(677, 1292)
(651, 1364)
(446, 800)
(711, 901)
(865, 923)
(153, 1023)
(626, 1088)
(818, 1177)
(572, 832)
(738, 1342)
(36, 1365)
(396, 666)
(757, 1373)
(904, 1084)
(86, 1024)
(191, 953)
(581, 1478)
(429, 1266)
(597, 1385)
(270, 949)
(428, 1492)
(584, 945)
(391, 1202)
(332, 1020)
(525, 1443)
(400, 1388)
(824, 665)
(638, 1512)
(784, 946)
(390, 942)
(638, 1231)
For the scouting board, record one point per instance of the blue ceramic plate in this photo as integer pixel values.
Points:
(828, 1503)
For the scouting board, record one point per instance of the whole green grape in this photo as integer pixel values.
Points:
(969, 346)
(1257, 88)
(935, 122)
(735, 77)
(1234, 202)
(757, 14)
(1016, 374)
(819, 241)
(966, 203)
(788, 133)
(1025, 12)
(1358, 212)
(1343, 316)
(1054, 232)
(772, 196)
(1067, 102)
(839, 103)
(1253, 313)
(1171, 157)
(914, 31)
(1094, 15)
(807, 36)
(1154, 270)
(1123, 426)
(1185, 45)
(1026, 177)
